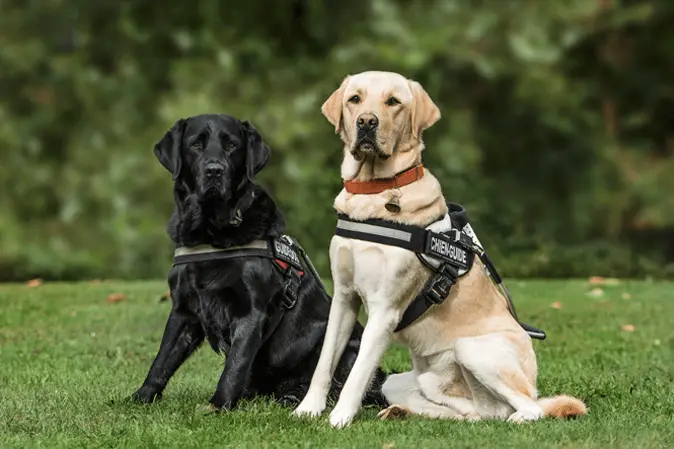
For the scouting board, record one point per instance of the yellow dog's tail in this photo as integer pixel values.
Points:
(562, 406)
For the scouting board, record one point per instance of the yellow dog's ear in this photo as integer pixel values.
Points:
(332, 108)
(424, 112)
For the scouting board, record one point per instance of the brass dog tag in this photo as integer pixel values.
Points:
(393, 204)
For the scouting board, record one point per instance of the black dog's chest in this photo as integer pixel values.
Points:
(215, 299)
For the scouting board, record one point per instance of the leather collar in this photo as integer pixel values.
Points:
(381, 185)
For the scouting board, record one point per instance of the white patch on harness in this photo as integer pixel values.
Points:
(285, 252)
(469, 231)
(444, 225)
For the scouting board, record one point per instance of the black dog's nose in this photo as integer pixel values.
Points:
(367, 122)
(214, 171)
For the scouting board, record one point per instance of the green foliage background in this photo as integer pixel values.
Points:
(557, 129)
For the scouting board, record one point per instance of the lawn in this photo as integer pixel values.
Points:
(66, 352)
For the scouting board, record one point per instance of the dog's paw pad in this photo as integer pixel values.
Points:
(288, 400)
(340, 419)
(523, 416)
(472, 417)
(144, 396)
(207, 409)
(309, 408)
(394, 412)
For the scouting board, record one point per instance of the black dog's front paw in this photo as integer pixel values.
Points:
(212, 408)
(289, 400)
(146, 395)
(220, 404)
(208, 409)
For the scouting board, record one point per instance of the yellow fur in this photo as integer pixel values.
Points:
(471, 359)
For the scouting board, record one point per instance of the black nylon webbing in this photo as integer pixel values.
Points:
(220, 255)
(276, 249)
(385, 232)
(417, 239)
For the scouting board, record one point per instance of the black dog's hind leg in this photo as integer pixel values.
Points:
(290, 393)
(182, 336)
(246, 342)
(373, 395)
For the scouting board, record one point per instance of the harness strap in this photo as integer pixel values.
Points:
(456, 248)
(291, 290)
(283, 251)
(453, 247)
(203, 253)
(434, 292)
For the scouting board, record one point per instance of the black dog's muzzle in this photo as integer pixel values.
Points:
(214, 171)
(212, 180)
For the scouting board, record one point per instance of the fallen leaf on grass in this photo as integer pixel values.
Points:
(556, 305)
(628, 328)
(95, 281)
(600, 280)
(388, 445)
(166, 295)
(595, 280)
(627, 296)
(596, 292)
(34, 282)
(116, 297)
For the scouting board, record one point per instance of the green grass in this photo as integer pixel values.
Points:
(65, 353)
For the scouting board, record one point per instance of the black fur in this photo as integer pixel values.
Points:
(230, 302)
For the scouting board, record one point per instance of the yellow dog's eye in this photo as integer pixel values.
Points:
(355, 99)
(392, 101)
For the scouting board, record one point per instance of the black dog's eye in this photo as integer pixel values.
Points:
(355, 99)
(392, 101)
(197, 145)
(231, 145)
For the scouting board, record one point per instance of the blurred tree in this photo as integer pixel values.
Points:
(556, 131)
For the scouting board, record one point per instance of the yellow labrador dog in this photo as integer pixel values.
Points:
(471, 358)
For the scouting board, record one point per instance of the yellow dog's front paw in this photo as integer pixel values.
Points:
(310, 407)
(341, 417)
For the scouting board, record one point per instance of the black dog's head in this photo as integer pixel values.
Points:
(215, 157)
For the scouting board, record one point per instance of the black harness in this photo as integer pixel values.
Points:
(455, 248)
(286, 253)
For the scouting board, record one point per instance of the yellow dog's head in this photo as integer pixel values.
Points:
(379, 113)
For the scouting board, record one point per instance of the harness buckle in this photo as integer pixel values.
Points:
(457, 234)
(291, 288)
(439, 286)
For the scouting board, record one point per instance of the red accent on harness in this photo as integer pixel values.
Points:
(285, 266)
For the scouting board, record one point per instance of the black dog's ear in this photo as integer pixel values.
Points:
(168, 149)
(257, 153)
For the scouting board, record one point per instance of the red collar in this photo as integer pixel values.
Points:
(380, 185)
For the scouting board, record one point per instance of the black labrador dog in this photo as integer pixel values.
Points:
(230, 303)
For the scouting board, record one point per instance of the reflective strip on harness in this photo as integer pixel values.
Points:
(365, 228)
(280, 249)
(452, 247)
(204, 249)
